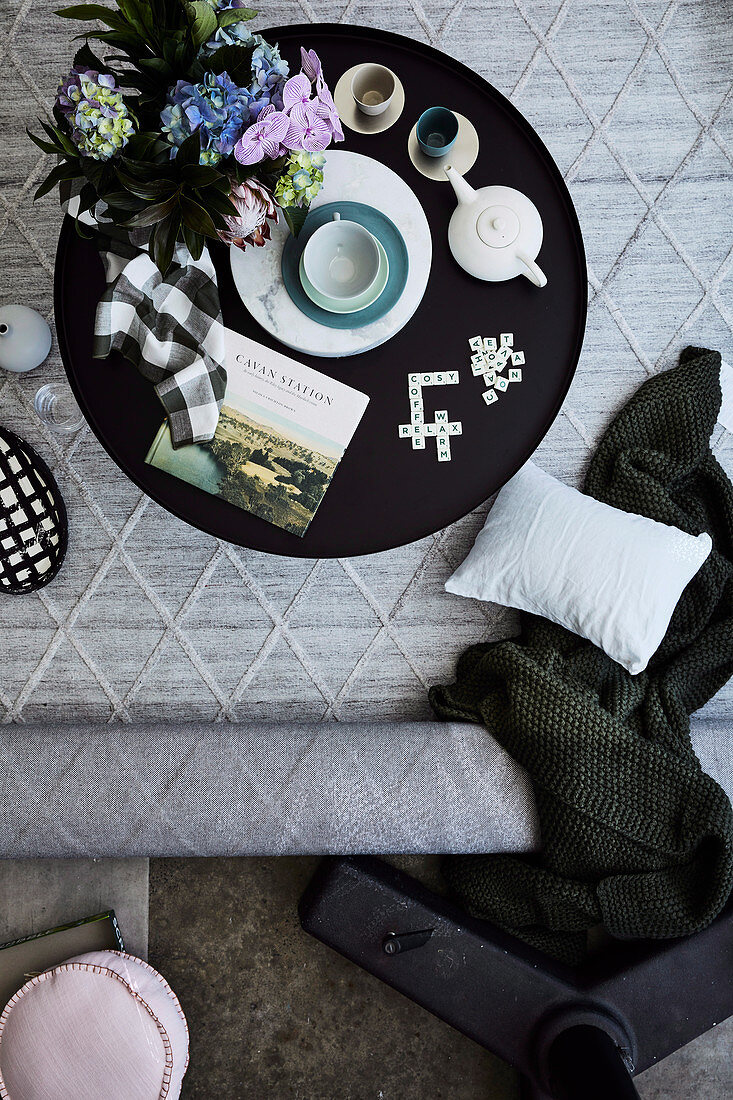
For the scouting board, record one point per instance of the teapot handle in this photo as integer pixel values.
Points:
(533, 271)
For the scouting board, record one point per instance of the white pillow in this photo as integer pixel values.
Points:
(609, 576)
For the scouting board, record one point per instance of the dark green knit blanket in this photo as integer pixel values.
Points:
(635, 836)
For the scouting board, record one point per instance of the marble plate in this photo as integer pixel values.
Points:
(349, 177)
(391, 245)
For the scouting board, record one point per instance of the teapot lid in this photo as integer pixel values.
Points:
(498, 226)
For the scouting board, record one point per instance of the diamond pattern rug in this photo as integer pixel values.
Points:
(150, 618)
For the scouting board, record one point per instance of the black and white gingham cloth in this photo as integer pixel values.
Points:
(33, 526)
(171, 329)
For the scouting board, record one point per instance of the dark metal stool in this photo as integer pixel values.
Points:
(573, 1034)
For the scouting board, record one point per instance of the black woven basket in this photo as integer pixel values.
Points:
(33, 524)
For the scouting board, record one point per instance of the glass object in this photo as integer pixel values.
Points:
(57, 408)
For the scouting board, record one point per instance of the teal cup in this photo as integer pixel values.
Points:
(437, 130)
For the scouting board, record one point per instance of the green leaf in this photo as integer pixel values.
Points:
(203, 21)
(196, 218)
(163, 241)
(61, 172)
(46, 146)
(88, 12)
(194, 242)
(189, 152)
(215, 201)
(156, 64)
(236, 15)
(234, 60)
(295, 217)
(85, 55)
(152, 214)
(200, 175)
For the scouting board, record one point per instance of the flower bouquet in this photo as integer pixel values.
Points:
(193, 129)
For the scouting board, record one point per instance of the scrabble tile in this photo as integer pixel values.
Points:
(439, 378)
(490, 396)
(502, 356)
(490, 343)
(476, 343)
(490, 358)
(478, 368)
(514, 375)
(441, 416)
(418, 443)
(429, 429)
(441, 430)
(452, 378)
(455, 428)
(444, 451)
(477, 359)
(416, 416)
(426, 379)
(417, 428)
(413, 379)
(405, 429)
(518, 358)
(414, 391)
(489, 377)
(416, 403)
(501, 384)
(506, 339)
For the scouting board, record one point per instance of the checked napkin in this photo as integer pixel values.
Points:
(170, 328)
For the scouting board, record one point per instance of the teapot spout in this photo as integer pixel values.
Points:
(464, 192)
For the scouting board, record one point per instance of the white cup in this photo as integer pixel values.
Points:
(341, 260)
(373, 88)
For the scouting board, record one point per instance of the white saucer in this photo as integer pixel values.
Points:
(355, 119)
(462, 156)
(368, 298)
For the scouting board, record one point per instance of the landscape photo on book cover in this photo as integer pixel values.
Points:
(259, 461)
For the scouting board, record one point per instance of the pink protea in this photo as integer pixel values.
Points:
(255, 205)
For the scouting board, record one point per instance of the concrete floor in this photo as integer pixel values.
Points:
(275, 1015)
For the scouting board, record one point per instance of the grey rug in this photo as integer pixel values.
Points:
(150, 618)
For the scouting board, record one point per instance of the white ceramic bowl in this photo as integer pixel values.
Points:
(341, 260)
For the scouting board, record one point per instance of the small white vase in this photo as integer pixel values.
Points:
(25, 338)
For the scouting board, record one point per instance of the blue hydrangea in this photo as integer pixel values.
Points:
(216, 108)
(269, 70)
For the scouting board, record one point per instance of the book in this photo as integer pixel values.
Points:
(22, 959)
(282, 431)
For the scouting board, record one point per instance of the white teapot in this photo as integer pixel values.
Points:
(495, 233)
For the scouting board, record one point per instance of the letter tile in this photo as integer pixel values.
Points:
(476, 343)
(429, 429)
(501, 384)
(444, 451)
(452, 378)
(413, 379)
(490, 343)
(439, 378)
(489, 377)
(416, 416)
(478, 368)
(455, 428)
(514, 375)
(426, 379)
(518, 358)
(441, 416)
(418, 443)
(490, 396)
(507, 339)
(405, 429)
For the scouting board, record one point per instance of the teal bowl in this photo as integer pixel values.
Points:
(437, 130)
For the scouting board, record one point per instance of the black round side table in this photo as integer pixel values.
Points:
(384, 494)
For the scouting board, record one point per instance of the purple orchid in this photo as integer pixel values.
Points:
(296, 92)
(307, 129)
(325, 108)
(310, 63)
(263, 140)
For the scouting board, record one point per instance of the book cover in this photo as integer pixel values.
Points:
(282, 431)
